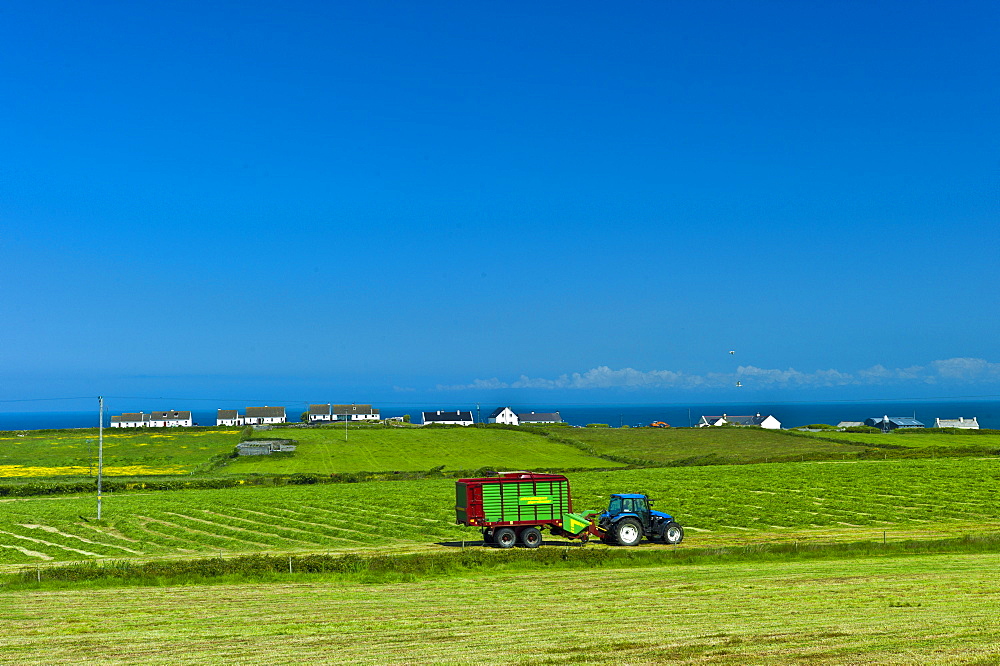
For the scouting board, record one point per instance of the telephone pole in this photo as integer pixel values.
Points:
(100, 452)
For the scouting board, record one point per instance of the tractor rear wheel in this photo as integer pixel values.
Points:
(673, 533)
(628, 532)
(504, 537)
(531, 537)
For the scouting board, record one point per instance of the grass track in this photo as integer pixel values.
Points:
(928, 609)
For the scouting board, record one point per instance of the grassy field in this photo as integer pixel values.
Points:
(52, 453)
(718, 505)
(944, 442)
(324, 451)
(663, 446)
(928, 609)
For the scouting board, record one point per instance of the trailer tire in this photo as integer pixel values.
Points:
(504, 537)
(628, 532)
(673, 533)
(531, 537)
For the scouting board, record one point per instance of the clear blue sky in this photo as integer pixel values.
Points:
(396, 200)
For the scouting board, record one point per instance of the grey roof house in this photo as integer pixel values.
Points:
(887, 423)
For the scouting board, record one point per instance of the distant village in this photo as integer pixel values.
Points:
(331, 413)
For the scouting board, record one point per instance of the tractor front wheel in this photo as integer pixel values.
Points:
(504, 537)
(531, 537)
(628, 532)
(673, 533)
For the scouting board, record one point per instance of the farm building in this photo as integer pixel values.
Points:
(768, 422)
(503, 415)
(263, 415)
(887, 423)
(168, 419)
(850, 424)
(448, 418)
(539, 417)
(960, 422)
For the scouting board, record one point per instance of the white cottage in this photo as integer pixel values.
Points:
(504, 415)
(170, 419)
(130, 420)
(228, 417)
(960, 422)
(448, 418)
(264, 415)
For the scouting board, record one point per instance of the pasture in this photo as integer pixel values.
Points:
(325, 451)
(718, 505)
(671, 446)
(54, 453)
(929, 609)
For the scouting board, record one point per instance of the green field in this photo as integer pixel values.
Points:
(951, 443)
(666, 446)
(52, 453)
(716, 504)
(324, 451)
(928, 609)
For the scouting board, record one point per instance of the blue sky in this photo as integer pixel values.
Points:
(460, 201)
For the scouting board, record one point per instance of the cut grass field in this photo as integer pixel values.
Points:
(718, 505)
(324, 451)
(928, 609)
(666, 446)
(54, 453)
(969, 442)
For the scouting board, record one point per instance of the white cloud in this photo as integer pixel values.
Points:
(952, 370)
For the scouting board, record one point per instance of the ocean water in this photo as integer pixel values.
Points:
(679, 415)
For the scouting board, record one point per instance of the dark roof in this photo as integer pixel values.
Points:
(757, 419)
(319, 409)
(266, 412)
(447, 416)
(354, 409)
(227, 414)
(169, 415)
(539, 416)
(130, 416)
(496, 412)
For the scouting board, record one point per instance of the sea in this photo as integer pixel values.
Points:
(790, 414)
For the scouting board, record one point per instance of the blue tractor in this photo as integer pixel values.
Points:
(630, 517)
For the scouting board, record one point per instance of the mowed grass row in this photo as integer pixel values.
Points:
(325, 451)
(717, 505)
(929, 609)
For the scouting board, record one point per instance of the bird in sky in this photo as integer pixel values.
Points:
(732, 352)
(739, 384)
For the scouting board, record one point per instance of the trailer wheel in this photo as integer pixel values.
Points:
(673, 533)
(504, 537)
(531, 537)
(628, 532)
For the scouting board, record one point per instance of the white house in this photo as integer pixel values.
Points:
(320, 413)
(264, 415)
(130, 420)
(960, 422)
(768, 422)
(448, 418)
(503, 415)
(355, 413)
(228, 417)
(539, 417)
(168, 419)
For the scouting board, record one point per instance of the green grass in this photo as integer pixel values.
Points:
(717, 505)
(926, 443)
(929, 609)
(52, 453)
(672, 446)
(324, 451)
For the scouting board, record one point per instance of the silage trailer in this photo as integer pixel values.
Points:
(514, 507)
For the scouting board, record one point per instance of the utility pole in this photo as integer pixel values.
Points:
(100, 452)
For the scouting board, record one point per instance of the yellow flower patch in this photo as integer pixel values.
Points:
(9, 471)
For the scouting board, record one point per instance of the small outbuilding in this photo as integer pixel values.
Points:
(533, 418)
